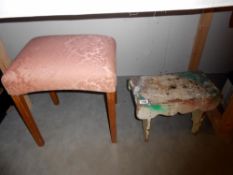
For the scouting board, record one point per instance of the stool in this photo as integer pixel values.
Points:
(170, 94)
(65, 62)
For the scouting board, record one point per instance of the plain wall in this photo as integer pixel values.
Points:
(145, 45)
(218, 53)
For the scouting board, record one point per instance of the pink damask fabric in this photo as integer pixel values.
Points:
(66, 62)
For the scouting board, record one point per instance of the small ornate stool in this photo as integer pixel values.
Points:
(170, 94)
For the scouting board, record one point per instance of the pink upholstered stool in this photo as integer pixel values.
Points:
(66, 62)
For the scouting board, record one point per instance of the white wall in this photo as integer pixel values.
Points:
(218, 52)
(148, 45)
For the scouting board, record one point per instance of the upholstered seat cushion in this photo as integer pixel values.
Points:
(66, 62)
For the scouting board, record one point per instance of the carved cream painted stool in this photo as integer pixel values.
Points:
(62, 62)
(170, 94)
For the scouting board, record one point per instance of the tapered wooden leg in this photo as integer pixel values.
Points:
(28, 119)
(146, 128)
(112, 115)
(28, 101)
(197, 118)
(54, 97)
(115, 97)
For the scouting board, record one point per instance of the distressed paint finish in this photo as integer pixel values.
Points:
(170, 94)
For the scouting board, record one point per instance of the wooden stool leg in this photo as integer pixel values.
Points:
(115, 97)
(197, 118)
(54, 97)
(28, 119)
(28, 101)
(146, 128)
(112, 115)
